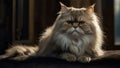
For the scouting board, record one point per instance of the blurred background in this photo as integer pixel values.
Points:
(22, 21)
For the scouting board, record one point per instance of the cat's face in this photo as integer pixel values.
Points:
(75, 22)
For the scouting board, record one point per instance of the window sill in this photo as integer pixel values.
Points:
(108, 62)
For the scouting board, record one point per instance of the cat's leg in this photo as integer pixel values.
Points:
(92, 53)
(68, 56)
(88, 55)
(95, 52)
(98, 52)
(84, 59)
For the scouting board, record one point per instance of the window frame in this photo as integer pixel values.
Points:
(17, 17)
(108, 24)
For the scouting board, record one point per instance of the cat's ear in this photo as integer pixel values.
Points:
(90, 9)
(64, 8)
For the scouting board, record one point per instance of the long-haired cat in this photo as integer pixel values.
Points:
(19, 52)
(76, 35)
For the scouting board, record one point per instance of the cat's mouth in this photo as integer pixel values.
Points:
(75, 32)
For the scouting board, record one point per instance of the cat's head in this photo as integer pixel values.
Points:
(75, 21)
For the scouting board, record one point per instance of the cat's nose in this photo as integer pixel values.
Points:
(75, 25)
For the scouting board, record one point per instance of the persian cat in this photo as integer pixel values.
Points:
(76, 35)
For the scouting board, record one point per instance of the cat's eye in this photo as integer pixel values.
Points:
(69, 22)
(81, 22)
(65, 22)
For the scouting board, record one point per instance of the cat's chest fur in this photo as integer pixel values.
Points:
(67, 44)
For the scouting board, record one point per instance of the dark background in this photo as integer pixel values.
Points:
(44, 14)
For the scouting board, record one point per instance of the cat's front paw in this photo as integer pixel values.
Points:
(84, 59)
(69, 57)
(93, 53)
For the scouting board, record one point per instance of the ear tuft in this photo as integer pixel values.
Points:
(90, 9)
(93, 5)
(64, 8)
(61, 4)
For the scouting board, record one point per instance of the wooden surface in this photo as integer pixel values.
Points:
(110, 60)
(115, 55)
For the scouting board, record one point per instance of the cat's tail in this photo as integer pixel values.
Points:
(19, 52)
